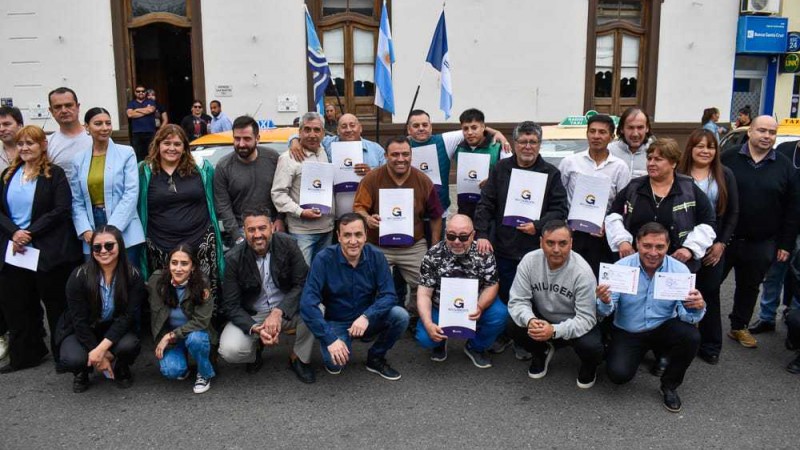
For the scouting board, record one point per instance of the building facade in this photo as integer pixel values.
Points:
(513, 59)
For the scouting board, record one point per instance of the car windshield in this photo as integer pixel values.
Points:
(554, 150)
(213, 153)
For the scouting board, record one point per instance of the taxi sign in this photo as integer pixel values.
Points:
(790, 123)
(583, 121)
(265, 124)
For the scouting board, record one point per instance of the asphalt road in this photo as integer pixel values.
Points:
(747, 401)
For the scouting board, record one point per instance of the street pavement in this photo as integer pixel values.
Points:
(747, 401)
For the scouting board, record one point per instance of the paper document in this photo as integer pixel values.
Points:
(472, 169)
(673, 286)
(316, 186)
(397, 217)
(587, 211)
(28, 260)
(344, 157)
(621, 279)
(426, 159)
(458, 297)
(525, 197)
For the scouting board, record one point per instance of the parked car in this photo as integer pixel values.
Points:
(216, 145)
(788, 130)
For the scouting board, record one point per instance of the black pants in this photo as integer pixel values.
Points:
(593, 249)
(751, 260)
(74, 355)
(793, 327)
(588, 347)
(141, 144)
(709, 279)
(674, 339)
(21, 291)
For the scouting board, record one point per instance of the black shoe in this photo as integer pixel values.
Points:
(660, 366)
(382, 368)
(303, 371)
(794, 366)
(587, 375)
(123, 377)
(540, 362)
(256, 365)
(8, 368)
(709, 358)
(762, 327)
(439, 353)
(671, 400)
(500, 344)
(81, 382)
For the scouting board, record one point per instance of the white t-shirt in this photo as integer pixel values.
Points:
(62, 149)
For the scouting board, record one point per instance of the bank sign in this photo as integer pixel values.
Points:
(762, 34)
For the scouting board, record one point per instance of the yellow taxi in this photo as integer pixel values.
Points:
(788, 130)
(213, 147)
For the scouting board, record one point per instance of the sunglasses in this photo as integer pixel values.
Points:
(108, 246)
(140, 92)
(461, 237)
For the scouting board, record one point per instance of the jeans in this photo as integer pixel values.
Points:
(175, 363)
(771, 291)
(506, 271)
(491, 323)
(311, 244)
(389, 329)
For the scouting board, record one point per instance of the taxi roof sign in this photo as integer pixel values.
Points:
(582, 121)
(790, 122)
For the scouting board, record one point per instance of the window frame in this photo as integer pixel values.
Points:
(649, 33)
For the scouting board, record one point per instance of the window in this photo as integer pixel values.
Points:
(621, 54)
(348, 31)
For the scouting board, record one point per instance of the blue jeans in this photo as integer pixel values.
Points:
(311, 244)
(491, 323)
(175, 363)
(506, 271)
(389, 329)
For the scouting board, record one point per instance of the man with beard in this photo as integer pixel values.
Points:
(244, 177)
(633, 139)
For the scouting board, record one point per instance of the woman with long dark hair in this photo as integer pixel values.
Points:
(181, 310)
(35, 205)
(701, 161)
(709, 121)
(176, 205)
(103, 297)
(105, 186)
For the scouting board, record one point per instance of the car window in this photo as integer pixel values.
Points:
(733, 140)
(554, 150)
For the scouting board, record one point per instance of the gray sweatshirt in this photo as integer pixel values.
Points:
(564, 297)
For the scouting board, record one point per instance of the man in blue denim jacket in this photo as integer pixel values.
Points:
(350, 294)
(643, 322)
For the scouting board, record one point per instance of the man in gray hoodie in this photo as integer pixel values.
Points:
(552, 303)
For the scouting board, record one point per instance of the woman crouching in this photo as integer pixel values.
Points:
(181, 309)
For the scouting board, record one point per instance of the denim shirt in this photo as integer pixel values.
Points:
(374, 156)
(642, 312)
(107, 295)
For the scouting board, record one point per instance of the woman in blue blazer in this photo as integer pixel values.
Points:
(105, 186)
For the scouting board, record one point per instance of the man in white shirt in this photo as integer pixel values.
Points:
(71, 137)
(598, 162)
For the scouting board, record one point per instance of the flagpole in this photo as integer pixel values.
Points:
(378, 125)
(416, 93)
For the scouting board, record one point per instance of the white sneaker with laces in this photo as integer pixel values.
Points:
(201, 384)
(3, 346)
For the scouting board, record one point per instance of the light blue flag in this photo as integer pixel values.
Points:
(438, 57)
(317, 64)
(384, 58)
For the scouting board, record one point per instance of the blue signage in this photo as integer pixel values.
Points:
(762, 34)
(794, 42)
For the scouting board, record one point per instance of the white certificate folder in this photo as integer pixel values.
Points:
(316, 186)
(589, 202)
(397, 217)
(525, 197)
(345, 156)
(458, 297)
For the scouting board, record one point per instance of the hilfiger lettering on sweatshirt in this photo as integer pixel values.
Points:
(544, 286)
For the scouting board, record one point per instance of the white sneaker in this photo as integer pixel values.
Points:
(3, 346)
(201, 384)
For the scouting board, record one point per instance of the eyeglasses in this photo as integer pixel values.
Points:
(527, 143)
(197, 106)
(140, 92)
(108, 246)
(461, 237)
(171, 184)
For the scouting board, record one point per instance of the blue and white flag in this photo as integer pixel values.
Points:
(438, 57)
(384, 58)
(317, 64)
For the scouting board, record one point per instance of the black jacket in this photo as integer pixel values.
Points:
(510, 243)
(242, 283)
(78, 320)
(727, 224)
(52, 231)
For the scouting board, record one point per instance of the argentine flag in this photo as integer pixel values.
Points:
(317, 64)
(437, 56)
(384, 58)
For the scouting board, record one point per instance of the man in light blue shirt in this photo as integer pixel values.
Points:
(642, 322)
(349, 130)
(219, 121)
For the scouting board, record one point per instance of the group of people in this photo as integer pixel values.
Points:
(146, 116)
(151, 235)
